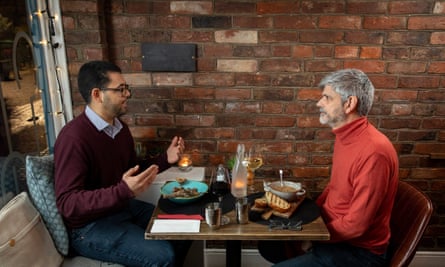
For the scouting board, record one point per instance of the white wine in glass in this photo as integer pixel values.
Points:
(253, 159)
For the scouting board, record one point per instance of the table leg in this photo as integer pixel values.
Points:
(233, 253)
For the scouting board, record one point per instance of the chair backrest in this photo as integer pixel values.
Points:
(410, 216)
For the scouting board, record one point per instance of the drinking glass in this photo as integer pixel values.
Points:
(253, 159)
(220, 186)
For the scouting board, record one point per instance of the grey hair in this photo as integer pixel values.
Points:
(351, 82)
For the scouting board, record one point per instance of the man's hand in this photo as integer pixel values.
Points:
(139, 183)
(176, 147)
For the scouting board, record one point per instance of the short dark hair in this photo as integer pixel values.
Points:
(94, 74)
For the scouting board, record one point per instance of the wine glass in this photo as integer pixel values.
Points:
(253, 159)
(220, 186)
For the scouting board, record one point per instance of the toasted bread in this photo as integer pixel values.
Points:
(261, 202)
(276, 202)
(266, 215)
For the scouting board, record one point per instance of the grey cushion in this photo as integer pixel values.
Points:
(12, 167)
(40, 180)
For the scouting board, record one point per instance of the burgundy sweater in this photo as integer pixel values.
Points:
(88, 171)
(356, 205)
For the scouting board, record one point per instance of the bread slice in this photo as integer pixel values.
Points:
(287, 214)
(261, 202)
(276, 202)
(267, 214)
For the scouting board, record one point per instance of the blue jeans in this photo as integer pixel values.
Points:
(335, 255)
(119, 238)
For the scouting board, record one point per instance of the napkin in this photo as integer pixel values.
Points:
(180, 216)
(175, 226)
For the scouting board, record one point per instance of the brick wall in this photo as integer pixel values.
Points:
(258, 66)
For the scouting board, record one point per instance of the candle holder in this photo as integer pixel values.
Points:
(185, 163)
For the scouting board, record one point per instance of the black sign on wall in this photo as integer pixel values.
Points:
(168, 57)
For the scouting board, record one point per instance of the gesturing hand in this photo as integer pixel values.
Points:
(138, 183)
(176, 147)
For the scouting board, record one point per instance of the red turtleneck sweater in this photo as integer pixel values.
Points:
(356, 204)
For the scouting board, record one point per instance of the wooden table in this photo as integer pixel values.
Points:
(234, 233)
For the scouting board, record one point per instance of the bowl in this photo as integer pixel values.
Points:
(168, 188)
(290, 191)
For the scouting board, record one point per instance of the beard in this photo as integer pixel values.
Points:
(333, 120)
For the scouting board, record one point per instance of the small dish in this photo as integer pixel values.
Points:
(168, 188)
(293, 190)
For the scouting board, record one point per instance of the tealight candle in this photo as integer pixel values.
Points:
(185, 163)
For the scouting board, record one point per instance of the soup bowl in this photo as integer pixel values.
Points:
(290, 191)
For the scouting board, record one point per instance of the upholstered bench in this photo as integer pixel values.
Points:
(40, 180)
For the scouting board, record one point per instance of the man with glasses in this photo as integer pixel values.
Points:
(97, 177)
(356, 204)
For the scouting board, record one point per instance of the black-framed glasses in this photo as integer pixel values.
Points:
(122, 89)
(282, 225)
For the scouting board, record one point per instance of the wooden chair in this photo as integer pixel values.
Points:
(410, 216)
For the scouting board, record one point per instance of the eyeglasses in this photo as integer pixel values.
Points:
(122, 89)
(281, 225)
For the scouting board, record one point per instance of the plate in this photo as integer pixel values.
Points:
(200, 186)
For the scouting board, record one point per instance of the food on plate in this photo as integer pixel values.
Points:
(261, 202)
(271, 204)
(277, 203)
(181, 180)
(284, 188)
(182, 192)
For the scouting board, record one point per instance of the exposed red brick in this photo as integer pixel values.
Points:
(419, 82)
(323, 51)
(379, 23)
(154, 120)
(188, 36)
(143, 132)
(364, 37)
(398, 95)
(214, 79)
(383, 81)
(322, 7)
(139, 7)
(194, 93)
(280, 65)
(309, 94)
(277, 7)
(340, 22)
(426, 23)
(438, 38)
(406, 67)
(252, 79)
(346, 51)
(322, 66)
(371, 52)
(429, 173)
(368, 66)
(252, 22)
(376, 7)
(437, 67)
(409, 7)
(317, 37)
(303, 51)
(309, 121)
(234, 7)
(79, 6)
(192, 7)
(274, 121)
(277, 36)
(272, 108)
(206, 64)
(281, 51)
(295, 22)
(195, 120)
